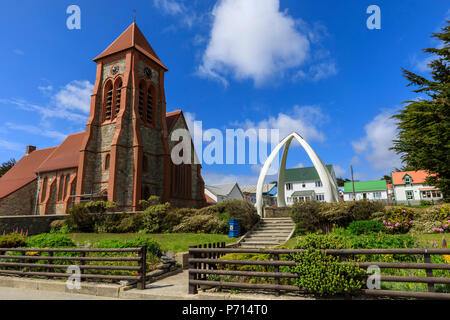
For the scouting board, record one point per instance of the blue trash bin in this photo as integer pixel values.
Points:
(235, 228)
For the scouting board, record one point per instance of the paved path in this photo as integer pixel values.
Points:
(26, 294)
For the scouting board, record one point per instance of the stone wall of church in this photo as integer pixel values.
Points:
(20, 203)
(197, 185)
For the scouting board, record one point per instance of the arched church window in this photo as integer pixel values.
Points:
(61, 188)
(108, 100)
(44, 189)
(145, 193)
(145, 163)
(66, 185)
(107, 161)
(149, 111)
(141, 100)
(118, 96)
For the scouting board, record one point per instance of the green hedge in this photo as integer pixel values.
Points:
(312, 216)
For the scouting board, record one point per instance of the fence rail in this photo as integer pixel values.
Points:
(204, 261)
(29, 263)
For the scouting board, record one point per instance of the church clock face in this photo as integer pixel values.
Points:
(148, 73)
(115, 70)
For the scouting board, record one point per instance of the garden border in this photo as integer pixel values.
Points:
(203, 260)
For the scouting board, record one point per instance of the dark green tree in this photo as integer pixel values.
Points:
(341, 181)
(424, 124)
(6, 166)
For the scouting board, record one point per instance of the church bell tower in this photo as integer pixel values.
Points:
(125, 155)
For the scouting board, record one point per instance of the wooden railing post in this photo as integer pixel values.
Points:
(276, 257)
(192, 276)
(50, 261)
(429, 272)
(82, 255)
(143, 267)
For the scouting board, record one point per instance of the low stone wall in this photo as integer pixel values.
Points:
(32, 224)
(270, 212)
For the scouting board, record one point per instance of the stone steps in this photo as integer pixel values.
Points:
(271, 232)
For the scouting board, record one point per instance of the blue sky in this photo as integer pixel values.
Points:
(309, 66)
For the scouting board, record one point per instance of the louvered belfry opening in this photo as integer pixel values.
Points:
(118, 95)
(149, 113)
(108, 100)
(141, 101)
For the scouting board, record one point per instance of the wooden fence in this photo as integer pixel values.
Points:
(30, 258)
(204, 261)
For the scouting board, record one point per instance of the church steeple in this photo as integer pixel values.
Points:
(132, 37)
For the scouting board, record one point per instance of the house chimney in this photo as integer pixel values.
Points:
(30, 149)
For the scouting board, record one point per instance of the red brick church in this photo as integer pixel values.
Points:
(124, 154)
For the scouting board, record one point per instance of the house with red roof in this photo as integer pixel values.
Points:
(409, 187)
(124, 155)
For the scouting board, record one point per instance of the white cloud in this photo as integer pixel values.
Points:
(340, 172)
(303, 120)
(185, 14)
(217, 178)
(46, 89)
(252, 39)
(37, 131)
(170, 7)
(319, 71)
(19, 52)
(299, 165)
(374, 146)
(211, 178)
(45, 112)
(421, 65)
(75, 96)
(9, 145)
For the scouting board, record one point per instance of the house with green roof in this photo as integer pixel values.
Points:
(371, 190)
(303, 184)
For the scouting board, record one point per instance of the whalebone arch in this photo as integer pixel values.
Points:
(331, 194)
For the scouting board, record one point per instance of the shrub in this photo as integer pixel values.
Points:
(362, 210)
(334, 215)
(50, 240)
(399, 220)
(151, 201)
(89, 216)
(306, 216)
(382, 241)
(202, 223)
(13, 240)
(323, 274)
(312, 216)
(328, 241)
(132, 222)
(57, 224)
(432, 219)
(153, 217)
(426, 203)
(153, 247)
(174, 217)
(233, 209)
(99, 206)
(365, 227)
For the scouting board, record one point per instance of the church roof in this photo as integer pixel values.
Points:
(23, 171)
(132, 37)
(172, 118)
(65, 156)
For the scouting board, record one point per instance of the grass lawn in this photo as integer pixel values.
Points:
(426, 239)
(175, 242)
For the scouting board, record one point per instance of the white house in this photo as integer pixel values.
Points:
(371, 190)
(410, 188)
(222, 192)
(304, 184)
